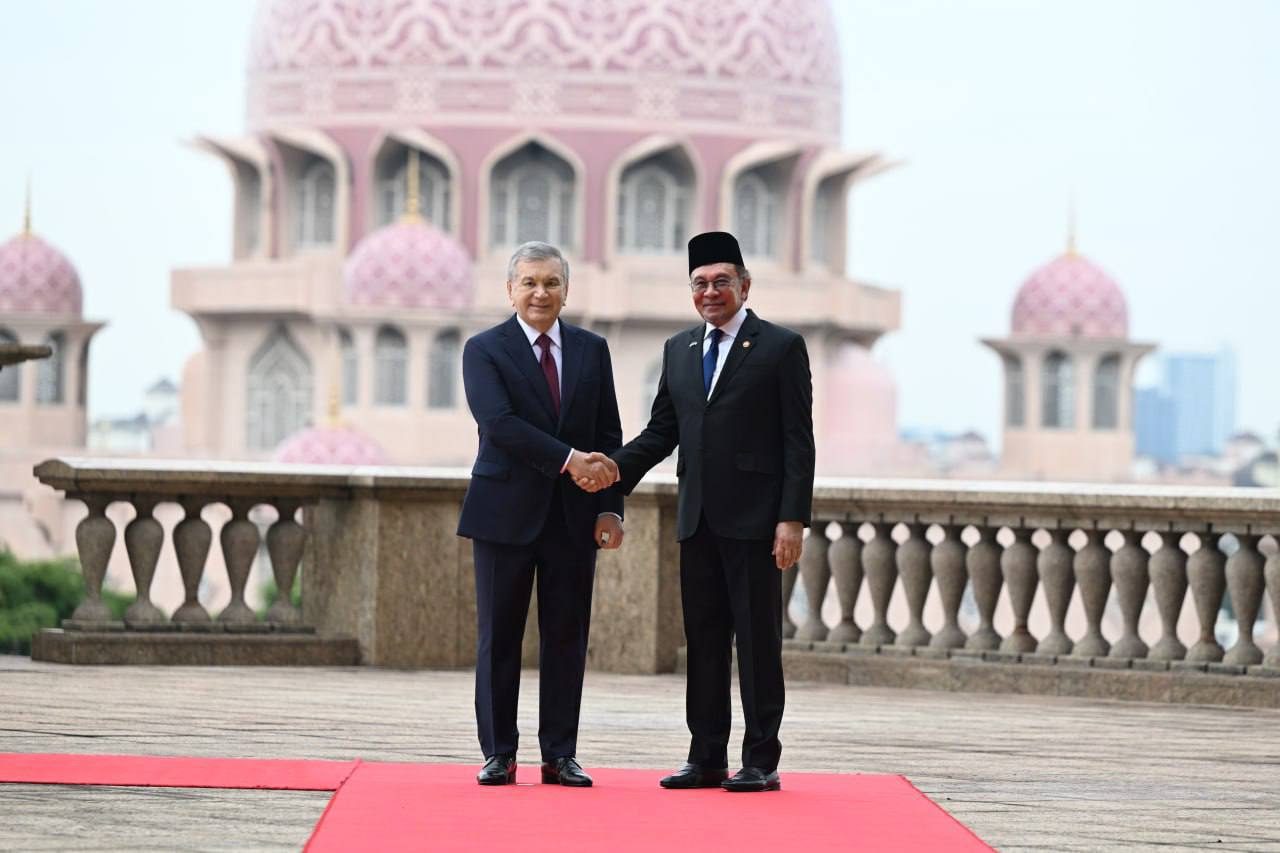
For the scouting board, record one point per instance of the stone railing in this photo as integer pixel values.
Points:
(906, 572)
(1042, 545)
(385, 579)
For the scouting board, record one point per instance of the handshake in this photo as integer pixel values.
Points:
(592, 471)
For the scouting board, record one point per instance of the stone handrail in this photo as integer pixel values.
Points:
(385, 566)
(1001, 554)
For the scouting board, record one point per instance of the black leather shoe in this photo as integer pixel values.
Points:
(752, 779)
(565, 771)
(498, 770)
(693, 776)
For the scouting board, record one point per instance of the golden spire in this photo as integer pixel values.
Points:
(26, 211)
(1071, 227)
(334, 418)
(413, 198)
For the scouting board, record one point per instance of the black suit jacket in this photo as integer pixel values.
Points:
(747, 453)
(523, 445)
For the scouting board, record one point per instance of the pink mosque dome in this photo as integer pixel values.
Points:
(409, 264)
(331, 445)
(35, 278)
(1071, 297)
(753, 67)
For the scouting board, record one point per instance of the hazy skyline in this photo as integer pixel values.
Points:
(1156, 116)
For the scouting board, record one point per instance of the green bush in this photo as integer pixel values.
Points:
(40, 594)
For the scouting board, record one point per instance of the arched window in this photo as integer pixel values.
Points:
(1014, 391)
(314, 205)
(391, 368)
(10, 376)
(655, 197)
(51, 372)
(1106, 393)
(823, 230)
(443, 370)
(250, 202)
(531, 197)
(350, 368)
(393, 183)
(757, 212)
(1058, 390)
(279, 392)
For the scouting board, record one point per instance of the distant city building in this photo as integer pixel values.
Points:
(155, 428)
(1068, 376)
(1192, 412)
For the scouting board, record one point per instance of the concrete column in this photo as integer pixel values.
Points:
(1130, 575)
(1018, 564)
(947, 562)
(191, 540)
(1092, 566)
(880, 566)
(815, 572)
(983, 563)
(285, 542)
(142, 539)
(913, 566)
(1058, 579)
(1169, 580)
(240, 540)
(1245, 582)
(1206, 570)
(845, 557)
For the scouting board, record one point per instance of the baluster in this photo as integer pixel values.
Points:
(240, 540)
(947, 561)
(191, 540)
(879, 565)
(285, 542)
(816, 575)
(95, 537)
(143, 538)
(1206, 570)
(1169, 581)
(1245, 583)
(1058, 579)
(1272, 573)
(1019, 567)
(845, 557)
(1092, 566)
(788, 589)
(913, 566)
(983, 563)
(1130, 576)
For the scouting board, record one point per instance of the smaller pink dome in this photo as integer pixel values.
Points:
(331, 445)
(409, 264)
(1071, 297)
(35, 278)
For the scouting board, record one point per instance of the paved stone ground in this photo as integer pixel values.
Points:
(1025, 773)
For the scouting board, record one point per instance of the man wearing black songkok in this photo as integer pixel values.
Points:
(736, 397)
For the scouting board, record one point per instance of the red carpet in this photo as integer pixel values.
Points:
(414, 807)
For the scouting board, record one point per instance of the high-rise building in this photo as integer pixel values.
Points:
(1192, 412)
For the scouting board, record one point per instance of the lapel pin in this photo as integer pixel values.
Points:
(746, 344)
(693, 343)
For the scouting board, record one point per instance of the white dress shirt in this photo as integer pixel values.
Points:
(729, 331)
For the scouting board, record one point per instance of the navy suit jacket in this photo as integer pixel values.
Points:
(523, 445)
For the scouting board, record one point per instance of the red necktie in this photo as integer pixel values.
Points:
(549, 371)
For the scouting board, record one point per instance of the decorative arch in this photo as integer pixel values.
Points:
(828, 181)
(390, 367)
(487, 240)
(300, 152)
(1057, 391)
(1106, 392)
(444, 159)
(774, 163)
(444, 369)
(254, 185)
(636, 156)
(279, 391)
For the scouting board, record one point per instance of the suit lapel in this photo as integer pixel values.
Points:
(521, 353)
(573, 344)
(741, 349)
(692, 359)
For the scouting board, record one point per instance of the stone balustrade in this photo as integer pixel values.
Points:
(997, 574)
(1144, 545)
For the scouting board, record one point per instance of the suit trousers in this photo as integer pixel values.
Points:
(728, 588)
(564, 569)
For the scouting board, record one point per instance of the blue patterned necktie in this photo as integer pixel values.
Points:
(709, 359)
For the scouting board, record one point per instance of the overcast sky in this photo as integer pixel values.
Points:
(1158, 116)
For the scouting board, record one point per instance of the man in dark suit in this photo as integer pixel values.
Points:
(539, 389)
(736, 396)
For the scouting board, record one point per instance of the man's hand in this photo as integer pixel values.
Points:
(592, 471)
(788, 537)
(609, 531)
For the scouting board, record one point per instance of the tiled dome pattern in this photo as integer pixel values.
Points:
(35, 278)
(409, 265)
(1071, 297)
(767, 64)
(336, 445)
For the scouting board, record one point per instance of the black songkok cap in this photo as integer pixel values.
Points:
(714, 247)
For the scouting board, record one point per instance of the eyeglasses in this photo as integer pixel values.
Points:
(723, 283)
